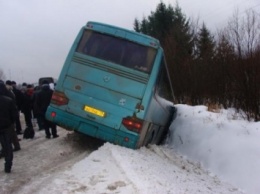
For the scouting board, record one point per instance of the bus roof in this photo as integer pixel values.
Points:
(123, 33)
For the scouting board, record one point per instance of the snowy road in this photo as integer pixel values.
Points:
(39, 158)
(74, 163)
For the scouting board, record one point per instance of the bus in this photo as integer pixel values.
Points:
(114, 86)
(49, 79)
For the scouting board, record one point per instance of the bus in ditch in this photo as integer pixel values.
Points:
(114, 86)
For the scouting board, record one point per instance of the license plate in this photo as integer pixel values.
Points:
(94, 111)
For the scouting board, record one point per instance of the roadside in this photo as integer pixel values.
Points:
(39, 157)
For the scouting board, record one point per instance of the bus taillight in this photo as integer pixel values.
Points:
(59, 98)
(53, 114)
(133, 124)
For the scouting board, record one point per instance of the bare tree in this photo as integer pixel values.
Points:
(252, 32)
(244, 32)
(236, 32)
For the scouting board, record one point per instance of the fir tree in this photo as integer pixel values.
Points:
(205, 44)
(171, 27)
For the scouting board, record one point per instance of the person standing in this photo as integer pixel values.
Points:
(14, 138)
(43, 100)
(27, 105)
(18, 99)
(8, 113)
(37, 89)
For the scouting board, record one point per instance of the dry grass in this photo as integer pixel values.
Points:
(214, 107)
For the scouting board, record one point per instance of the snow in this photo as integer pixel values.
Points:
(205, 152)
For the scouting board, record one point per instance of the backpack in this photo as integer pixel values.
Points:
(28, 133)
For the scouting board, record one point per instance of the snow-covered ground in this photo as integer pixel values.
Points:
(205, 152)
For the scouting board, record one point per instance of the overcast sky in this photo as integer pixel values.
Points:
(36, 35)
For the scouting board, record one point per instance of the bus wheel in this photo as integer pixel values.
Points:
(164, 135)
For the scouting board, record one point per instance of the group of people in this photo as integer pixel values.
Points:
(33, 103)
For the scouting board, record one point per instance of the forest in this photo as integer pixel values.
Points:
(218, 69)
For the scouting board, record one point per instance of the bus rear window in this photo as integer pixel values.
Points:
(117, 50)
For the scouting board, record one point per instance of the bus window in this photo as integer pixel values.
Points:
(91, 43)
(164, 88)
(136, 57)
(112, 50)
(117, 50)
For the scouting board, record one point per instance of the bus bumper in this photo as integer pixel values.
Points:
(71, 122)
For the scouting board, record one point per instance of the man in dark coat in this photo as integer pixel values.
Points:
(43, 100)
(37, 89)
(14, 138)
(8, 113)
(27, 105)
(19, 100)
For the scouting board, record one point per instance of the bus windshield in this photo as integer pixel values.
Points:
(117, 50)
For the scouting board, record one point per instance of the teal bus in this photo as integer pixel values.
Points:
(114, 86)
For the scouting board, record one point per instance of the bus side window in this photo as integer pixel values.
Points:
(163, 88)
